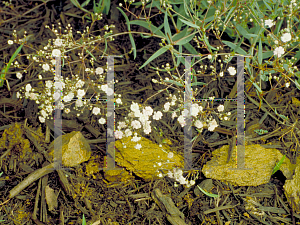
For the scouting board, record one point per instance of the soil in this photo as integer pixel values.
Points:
(133, 201)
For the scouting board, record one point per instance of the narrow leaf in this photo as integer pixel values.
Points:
(150, 27)
(208, 194)
(167, 28)
(156, 54)
(185, 40)
(277, 167)
(5, 70)
(189, 23)
(197, 83)
(207, 43)
(174, 82)
(130, 35)
(260, 52)
(233, 46)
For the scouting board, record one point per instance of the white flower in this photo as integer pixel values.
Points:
(192, 182)
(56, 53)
(220, 108)
(195, 110)
(147, 127)
(119, 134)
(122, 125)
(167, 106)
(28, 87)
(109, 91)
(269, 23)
(33, 96)
(69, 97)
(135, 139)
(170, 174)
(56, 96)
(19, 75)
(157, 115)
(134, 107)
(58, 42)
(212, 125)
(119, 101)
(209, 57)
(42, 119)
(170, 155)
(59, 85)
(102, 121)
(79, 84)
(143, 118)
(99, 70)
(160, 175)
(174, 115)
(231, 70)
(181, 120)
(49, 83)
(10, 42)
(18, 95)
(286, 37)
(43, 113)
(96, 110)
(198, 124)
(279, 51)
(138, 146)
(78, 103)
(137, 113)
(136, 124)
(80, 93)
(53, 61)
(46, 67)
(287, 84)
(182, 180)
(221, 74)
(128, 132)
(67, 110)
(147, 111)
(40, 76)
(104, 87)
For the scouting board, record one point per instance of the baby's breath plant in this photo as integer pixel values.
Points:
(265, 32)
(75, 86)
(192, 20)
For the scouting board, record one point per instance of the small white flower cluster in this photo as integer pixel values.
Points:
(45, 94)
(177, 174)
(138, 119)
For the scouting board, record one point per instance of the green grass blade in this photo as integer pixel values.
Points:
(277, 167)
(4, 71)
(83, 220)
(208, 194)
(91, 54)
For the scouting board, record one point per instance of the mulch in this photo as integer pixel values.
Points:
(134, 201)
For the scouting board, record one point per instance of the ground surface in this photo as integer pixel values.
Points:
(125, 202)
